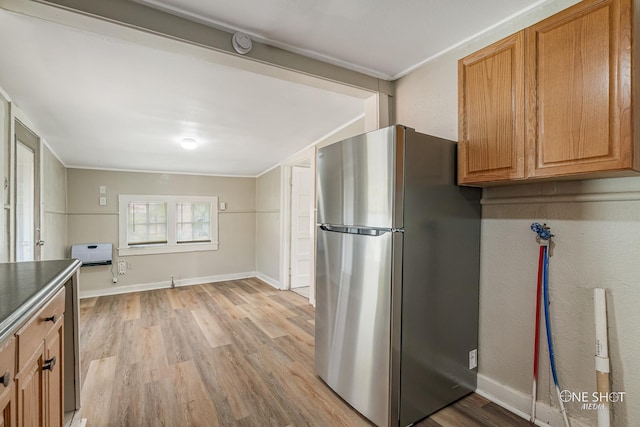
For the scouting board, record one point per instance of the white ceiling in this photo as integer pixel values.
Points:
(105, 102)
(382, 38)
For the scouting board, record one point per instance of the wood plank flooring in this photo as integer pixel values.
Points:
(236, 353)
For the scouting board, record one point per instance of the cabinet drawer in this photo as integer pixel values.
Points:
(7, 364)
(31, 335)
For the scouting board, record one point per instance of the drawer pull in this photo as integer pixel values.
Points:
(6, 379)
(50, 319)
(49, 364)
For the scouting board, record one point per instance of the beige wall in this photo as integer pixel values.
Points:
(89, 222)
(353, 129)
(596, 245)
(268, 193)
(54, 198)
(268, 209)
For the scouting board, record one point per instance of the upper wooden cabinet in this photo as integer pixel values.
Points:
(491, 112)
(576, 116)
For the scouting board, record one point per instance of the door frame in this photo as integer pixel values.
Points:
(305, 158)
(293, 222)
(6, 155)
(20, 119)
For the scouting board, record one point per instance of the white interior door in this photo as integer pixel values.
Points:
(27, 206)
(300, 226)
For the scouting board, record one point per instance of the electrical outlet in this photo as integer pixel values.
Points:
(122, 266)
(473, 358)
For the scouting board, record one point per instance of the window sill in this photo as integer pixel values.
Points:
(166, 249)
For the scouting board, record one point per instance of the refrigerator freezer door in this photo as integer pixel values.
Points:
(353, 296)
(357, 180)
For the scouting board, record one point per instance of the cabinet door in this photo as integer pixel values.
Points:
(7, 389)
(491, 113)
(30, 392)
(54, 376)
(579, 90)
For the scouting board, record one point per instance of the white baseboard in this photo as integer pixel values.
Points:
(268, 280)
(520, 403)
(116, 290)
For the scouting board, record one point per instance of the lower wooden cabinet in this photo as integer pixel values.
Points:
(54, 376)
(7, 387)
(31, 392)
(40, 377)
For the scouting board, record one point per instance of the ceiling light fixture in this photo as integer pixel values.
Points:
(189, 143)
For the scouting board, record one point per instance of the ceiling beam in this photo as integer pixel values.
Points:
(263, 58)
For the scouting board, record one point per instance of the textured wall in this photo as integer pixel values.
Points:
(596, 246)
(89, 222)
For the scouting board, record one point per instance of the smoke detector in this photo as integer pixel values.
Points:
(241, 42)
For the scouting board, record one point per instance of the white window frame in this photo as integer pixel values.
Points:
(172, 246)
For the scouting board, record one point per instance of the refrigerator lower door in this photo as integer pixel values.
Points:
(353, 309)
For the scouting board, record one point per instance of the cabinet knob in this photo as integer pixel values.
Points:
(50, 319)
(6, 379)
(49, 364)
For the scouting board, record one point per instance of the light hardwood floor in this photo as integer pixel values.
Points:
(236, 353)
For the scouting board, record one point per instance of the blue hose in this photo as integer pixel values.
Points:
(545, 286)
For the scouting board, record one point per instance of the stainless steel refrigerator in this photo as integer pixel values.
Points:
(396, 275)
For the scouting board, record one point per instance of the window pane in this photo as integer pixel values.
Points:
(147, 223)
(193, 222)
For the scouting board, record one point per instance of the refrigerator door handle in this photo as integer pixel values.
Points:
(366, 231)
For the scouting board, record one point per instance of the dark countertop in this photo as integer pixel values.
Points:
(25, 286)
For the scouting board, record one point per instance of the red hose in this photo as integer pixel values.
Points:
(538, 298)
(536, 339)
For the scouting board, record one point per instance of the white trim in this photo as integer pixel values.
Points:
(297, 155)
(471, 38)
(520, 403)
(171, 246)
(285, 220)
(277, 165)
(52, 151)
(54, 212)
(167, 249)
(220, 25)
(268, 280)
(117, 290)
(157, 171)
(6, 96)
(621, 196)
(285, 229)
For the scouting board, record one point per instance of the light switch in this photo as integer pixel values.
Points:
(103, 201)
(223, 206)
(103, 189)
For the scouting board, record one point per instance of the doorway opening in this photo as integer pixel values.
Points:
(28, 241)
(298, 225)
